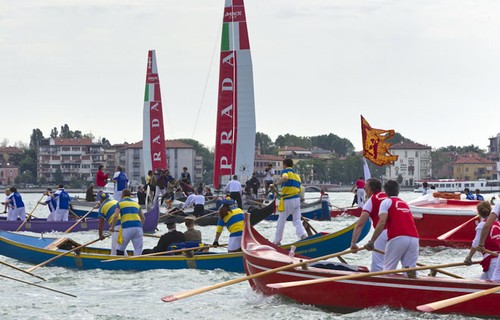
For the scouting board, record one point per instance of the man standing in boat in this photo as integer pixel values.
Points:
(16, 204)
(50, 203)
(268, 178)
(62, 204)
(101, 178)
(490, 222)
(289, 202)
(373, 188)
(120, 179)
(132, 220)
(402, 235)
(359, 188)
(106, 210)
(233, 188)
(185, 176)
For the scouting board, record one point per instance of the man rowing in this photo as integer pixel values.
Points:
(106, 211)
(402, 235)
(487, 230)
(373, 188)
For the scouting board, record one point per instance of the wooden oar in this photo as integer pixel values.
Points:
(151, 236)
(448, 234)
(433, 306)
(281, 285)
(29, 215)
(37, 285)
(74, 214)
(19, 269)
(190, 293)
(423, 265)
(81, 219)
(63, 254)
(206, 215)
(162, 253)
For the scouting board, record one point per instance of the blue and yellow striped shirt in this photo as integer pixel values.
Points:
(129, 213)
(291, 188)
(107, 210)
(233, 221)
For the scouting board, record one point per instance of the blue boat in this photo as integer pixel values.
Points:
(36, 250)
(317, 210)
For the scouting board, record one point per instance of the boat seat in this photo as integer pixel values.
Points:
(338, 266)
(62, 243)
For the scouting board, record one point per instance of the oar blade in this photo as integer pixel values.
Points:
(425, 308)
(169, 298)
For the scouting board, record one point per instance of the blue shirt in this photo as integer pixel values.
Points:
(62, 199)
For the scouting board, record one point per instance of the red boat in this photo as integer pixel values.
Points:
(395, 291)
(353, 211)
(436, 216)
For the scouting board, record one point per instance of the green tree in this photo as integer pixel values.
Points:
(265, 143)
(54, 133)
(35, 138)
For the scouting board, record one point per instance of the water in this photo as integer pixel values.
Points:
(107, 295)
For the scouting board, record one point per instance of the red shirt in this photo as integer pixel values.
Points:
(376, 199)
(399, 220)
(492, 241)
(100, 179)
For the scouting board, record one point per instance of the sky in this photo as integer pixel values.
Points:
(428, 69)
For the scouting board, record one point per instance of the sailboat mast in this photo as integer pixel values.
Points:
(235, 131)
(153, 144)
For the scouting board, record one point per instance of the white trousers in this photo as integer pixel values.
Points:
(15, 213)
(378, 258)
(114, 243)
(496, 272)
(234, 243)
(117, 195)
(62, 215)
(292, 207)
(488, 275)
(52, 216)
(402, 248)
(361, 197)
(133, 234)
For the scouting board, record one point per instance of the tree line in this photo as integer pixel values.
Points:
(345, 166)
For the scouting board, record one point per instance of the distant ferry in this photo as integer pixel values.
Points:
(452, 185)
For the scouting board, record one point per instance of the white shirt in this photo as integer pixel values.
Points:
(189, 200)
(269, 175)
(233, 186)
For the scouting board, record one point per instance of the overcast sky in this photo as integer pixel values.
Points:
(428, 69)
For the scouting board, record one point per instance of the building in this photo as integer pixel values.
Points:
(494, 147)
(179, 155)
(68, 159)
(8, 173)
(414, 163)
(473, 167)
(261, 162)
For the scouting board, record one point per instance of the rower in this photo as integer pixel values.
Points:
(170, 237)
(490, 221)
(106, 210)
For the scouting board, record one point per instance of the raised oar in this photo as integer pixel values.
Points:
(29, 215)
(81, 219)
(190, 293)
(448, 234)
(19, 269)
(433, 306)
(281, 285)
(37, 285)
(436, 270)
(63, 254)
(162, 253)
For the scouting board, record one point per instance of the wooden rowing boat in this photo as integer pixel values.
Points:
(36, 250)
(395, 291)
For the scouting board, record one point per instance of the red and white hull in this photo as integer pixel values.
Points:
(395, 291)
(435, 216)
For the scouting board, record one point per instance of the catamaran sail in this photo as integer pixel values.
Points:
(153, 144)
(235, 132)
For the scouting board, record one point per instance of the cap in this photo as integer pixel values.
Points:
(104, 196)
(190, 217)
(171, 220)
(228, 201)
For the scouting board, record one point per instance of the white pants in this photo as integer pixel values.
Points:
(234, 243)
(158, 193)
(62, 214)
(378, 258)
(292, 207)
(488, 275)
(15, 213)
(133, 234)
(52, 216)
(361, 197)
(114, 243)
(117, 195)
(402, 248)
(496, 272)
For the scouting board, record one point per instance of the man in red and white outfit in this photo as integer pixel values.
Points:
(373, 188)
(490, 221)
(402, 235)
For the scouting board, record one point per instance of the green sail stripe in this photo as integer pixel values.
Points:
(146, 93)
(225, 37)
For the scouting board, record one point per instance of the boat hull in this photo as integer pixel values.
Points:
(32, 250)
(395, 291)
(317, 210)
(434, 218)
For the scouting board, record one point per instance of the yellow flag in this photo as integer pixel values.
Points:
(375, 148)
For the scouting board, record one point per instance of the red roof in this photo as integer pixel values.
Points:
(293, 148)
(472, 159)
(10, 150)
(409, 145)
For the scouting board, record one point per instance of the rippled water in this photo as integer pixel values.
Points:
(136, 295)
